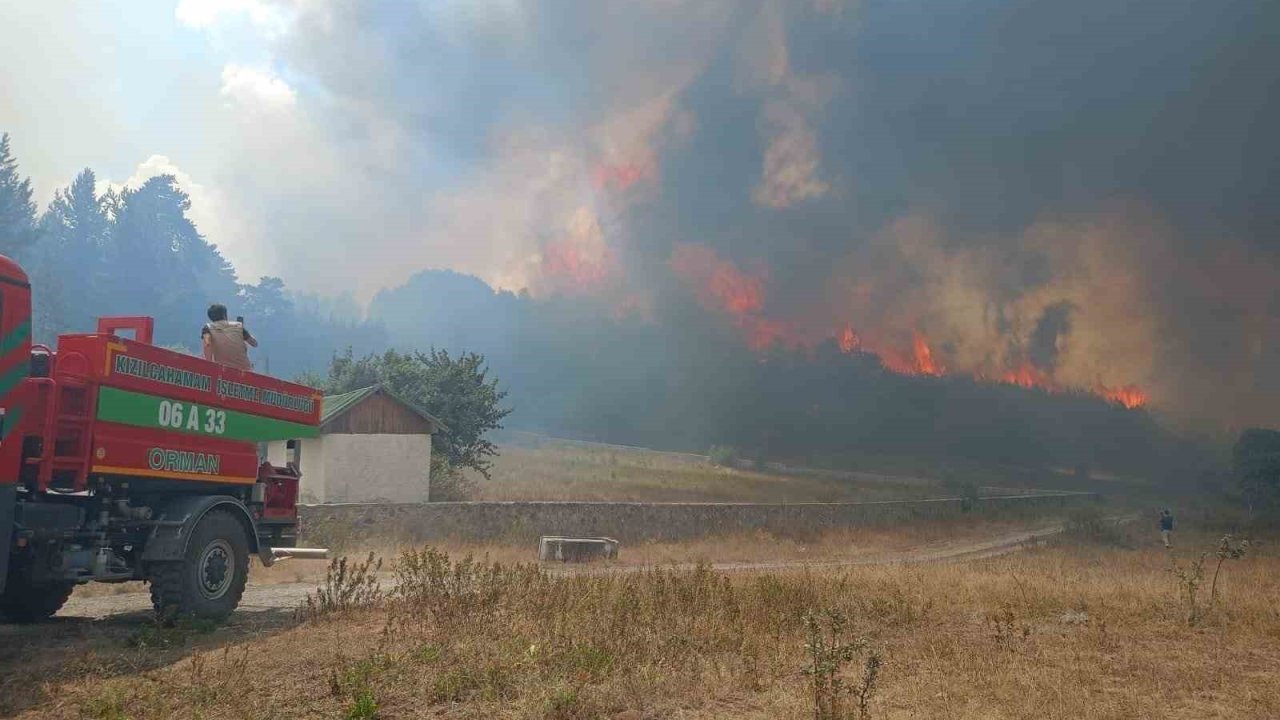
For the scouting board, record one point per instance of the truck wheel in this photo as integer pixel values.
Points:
(32, 603)
(208, 582)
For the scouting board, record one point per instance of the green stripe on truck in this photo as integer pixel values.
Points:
(15, 338)
(159, 413)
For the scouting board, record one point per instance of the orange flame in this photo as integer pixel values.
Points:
(848, 340)
(579, 261)
(573, 268)
(925, 363)
(896, 361)
(1130, 396)
(619, 177)
(719, 284)
(918, 361)
(1029, 376)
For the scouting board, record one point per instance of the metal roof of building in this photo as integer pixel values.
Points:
(336, 405)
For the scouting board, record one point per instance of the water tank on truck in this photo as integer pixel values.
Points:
(121, 461)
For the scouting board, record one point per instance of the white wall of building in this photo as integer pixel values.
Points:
(362, 468)
(376, 468)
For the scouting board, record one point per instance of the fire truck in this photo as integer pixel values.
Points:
(124, 461)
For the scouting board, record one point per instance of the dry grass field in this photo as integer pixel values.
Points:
(865, 544)
(1076, 630)
(538, 467)
(546, 469)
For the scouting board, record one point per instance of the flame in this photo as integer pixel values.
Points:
(719, 284)
(574, 269)
(1130, 396)
(848, 340)
(925, 363)
(722, 287)
(1028, 375)
(619, 176)
(579, 262)
(919, 360)
(896, 361)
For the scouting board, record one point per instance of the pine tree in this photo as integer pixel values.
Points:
(159, 264)
(17, 210)
(66, 266)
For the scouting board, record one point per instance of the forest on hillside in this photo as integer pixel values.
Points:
(682, 379)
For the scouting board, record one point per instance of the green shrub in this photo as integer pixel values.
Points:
(449, 483)
(1087, 525)
(834, 698)
(722, 455)
(967, 490)
(363, 706)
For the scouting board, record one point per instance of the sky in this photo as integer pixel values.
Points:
(1079, 192)
(314, 147)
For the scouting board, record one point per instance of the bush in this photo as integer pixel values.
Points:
(967, 490)
(722, 455)
(347, 586)
(449, 483)
(432, 585)
(1086, 525)
(1191, 576)
(834, 698)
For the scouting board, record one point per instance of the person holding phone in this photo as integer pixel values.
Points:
(227, 341)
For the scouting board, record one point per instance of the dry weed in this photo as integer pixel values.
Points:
(1051, 633)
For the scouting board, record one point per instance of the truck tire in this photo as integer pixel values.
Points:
(208, 582)
(32, 603)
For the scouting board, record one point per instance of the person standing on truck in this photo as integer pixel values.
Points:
(225, 341)
(1166, 526)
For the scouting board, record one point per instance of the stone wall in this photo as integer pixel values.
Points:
(342, 525)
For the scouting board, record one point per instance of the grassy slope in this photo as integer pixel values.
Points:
(1064, 632)
(536, 467)
(557, 470)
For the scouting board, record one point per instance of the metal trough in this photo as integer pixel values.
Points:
(556, 548)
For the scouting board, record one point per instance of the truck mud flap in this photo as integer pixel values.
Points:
(8, 497)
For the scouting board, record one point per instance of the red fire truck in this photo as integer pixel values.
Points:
(120, 461)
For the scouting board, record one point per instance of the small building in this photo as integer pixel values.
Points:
(373, 446)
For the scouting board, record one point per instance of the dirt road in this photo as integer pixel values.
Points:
(286, 596)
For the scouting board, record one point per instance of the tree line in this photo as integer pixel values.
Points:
(97, 251)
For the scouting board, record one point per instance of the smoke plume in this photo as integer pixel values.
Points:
(1073, 196)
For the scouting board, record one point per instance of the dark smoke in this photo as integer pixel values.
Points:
(1091, 182)
(1054, 323)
